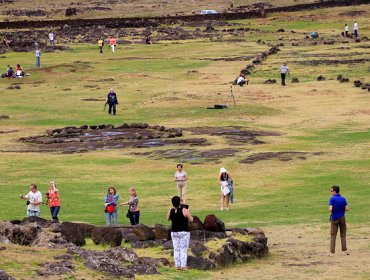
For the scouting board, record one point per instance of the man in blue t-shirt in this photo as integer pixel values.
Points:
(338, 207)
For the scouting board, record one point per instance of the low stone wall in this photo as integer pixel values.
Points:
(119, 261)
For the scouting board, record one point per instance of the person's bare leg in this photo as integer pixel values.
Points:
(227, 201)
(222, 201)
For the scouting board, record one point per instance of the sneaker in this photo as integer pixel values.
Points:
(345, 253)
(222, 209)
(331, 254)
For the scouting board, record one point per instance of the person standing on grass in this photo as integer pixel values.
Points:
(355, 29)
(181, 178)
(180, 233)
(337, 207)
(38, 56)
(112, 43)
(133, 212)
(224, 179)
(101, 44)
(110, 206)
(54, 201)
(51, 39)
(284, 70)
(112, 101)
(346, 29)
(34, 199)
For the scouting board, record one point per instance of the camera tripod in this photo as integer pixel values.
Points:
(231, 95)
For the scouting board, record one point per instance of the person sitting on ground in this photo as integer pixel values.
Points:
(133, 212)
(19, 71)
(241, 80)
(314, 35)
(10, 72)
(148, 39)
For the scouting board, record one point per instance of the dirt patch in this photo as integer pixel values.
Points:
(353, 13)
(92, 99)
(282, 156)
(107, 137)
(332, 61)
(235, 135)
(191, 156)
(8, 131)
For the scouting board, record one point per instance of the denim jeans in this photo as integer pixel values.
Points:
(38, 61)
(54, 212)
(31, 213)
(134, 217)
(110, 216)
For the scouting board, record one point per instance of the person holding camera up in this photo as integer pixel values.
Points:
(53, 201)
(34, 199)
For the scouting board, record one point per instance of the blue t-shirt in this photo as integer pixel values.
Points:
(339, 204)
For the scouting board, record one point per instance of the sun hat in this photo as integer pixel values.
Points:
(223, 170)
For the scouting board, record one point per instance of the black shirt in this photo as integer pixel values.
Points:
(179, 221)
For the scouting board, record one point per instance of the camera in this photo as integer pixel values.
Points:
(47, 195)
(28, 202)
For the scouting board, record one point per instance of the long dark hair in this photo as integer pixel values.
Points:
(113, 188)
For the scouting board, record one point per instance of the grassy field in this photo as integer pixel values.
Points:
(157, 84)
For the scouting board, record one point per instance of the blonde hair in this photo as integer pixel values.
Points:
(133, 190)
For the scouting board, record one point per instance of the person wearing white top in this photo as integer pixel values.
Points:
(181, 178)
(51, 38)
(284, 70)
(346, 29)
(355, 29)
(34, 199)
(241, 80)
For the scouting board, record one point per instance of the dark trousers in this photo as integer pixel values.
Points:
(112, 106)
(242, 83)
(356, 33)
(283, 79)
(54, 212)
(101, 49)
(134, 217)
(341, 224)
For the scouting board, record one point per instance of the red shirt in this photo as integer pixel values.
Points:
(54, 199)
(112, 41)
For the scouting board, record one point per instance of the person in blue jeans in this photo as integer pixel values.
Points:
(133, 212)
(38, 55)
(110, 206)
(337, 207)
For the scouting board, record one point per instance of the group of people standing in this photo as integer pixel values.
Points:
(346, 30)
(112, 44)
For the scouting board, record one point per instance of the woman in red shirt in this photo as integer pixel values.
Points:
(54, 201)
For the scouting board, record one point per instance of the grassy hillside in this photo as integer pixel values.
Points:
(172, 84)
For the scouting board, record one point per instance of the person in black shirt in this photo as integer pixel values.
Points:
(180, 234)
(112, 101)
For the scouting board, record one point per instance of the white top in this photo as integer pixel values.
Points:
(346, 28)
(355, 26)
(34, 197)
(181, 176)
(284, 69)
(240, 79)
(51, 36)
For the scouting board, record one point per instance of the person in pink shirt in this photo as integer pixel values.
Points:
(112, 43)
(54, 201)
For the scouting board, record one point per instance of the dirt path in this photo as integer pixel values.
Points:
(300, 252)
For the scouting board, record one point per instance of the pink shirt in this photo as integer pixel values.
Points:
(112, 41)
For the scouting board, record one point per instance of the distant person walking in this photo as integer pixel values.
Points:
(180, 234)
(34, 199)
(51, 39)
(181, 178)
(337, 206)
(112, 43)
(355, 29)
(346, 29)
(38, 56)
(224, 179)
(53, 201)
(112, 101)
(101, 44)
(284, 70)
(133, 212)
(110, 206)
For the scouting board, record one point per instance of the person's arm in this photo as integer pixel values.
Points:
(186, 176)
(230, 178)
(219, 179)
(187, 214)
(330, 208)
(52, 183)
(116, 100)
(169, 215)
(39, 200)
